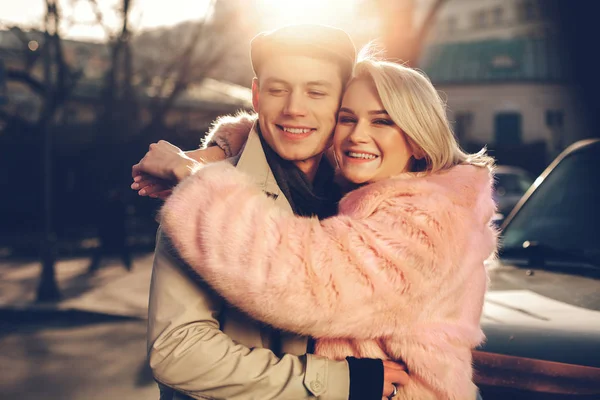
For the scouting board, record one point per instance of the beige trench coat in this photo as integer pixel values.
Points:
(202, 348)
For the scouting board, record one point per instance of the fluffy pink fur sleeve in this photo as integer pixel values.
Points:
(230, 132)
(333, 278)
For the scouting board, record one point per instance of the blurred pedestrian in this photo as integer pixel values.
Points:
(111, 222)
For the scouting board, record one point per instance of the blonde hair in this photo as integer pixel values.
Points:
(416, 107)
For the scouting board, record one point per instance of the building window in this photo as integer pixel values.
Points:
(528, 10)
(480, 19)
(498, 16)
(507, 129)
(555, 119)
(462, 125)
(545, 10)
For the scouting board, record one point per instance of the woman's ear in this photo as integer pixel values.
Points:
(417, 151)
(419, 157)
(418, 164)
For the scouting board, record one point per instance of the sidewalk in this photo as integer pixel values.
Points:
(91, 345)
(110, 291)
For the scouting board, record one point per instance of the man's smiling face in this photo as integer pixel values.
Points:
(297, 99)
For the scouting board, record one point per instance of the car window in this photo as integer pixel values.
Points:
(511, 184)
(564, 211)
(524, 183)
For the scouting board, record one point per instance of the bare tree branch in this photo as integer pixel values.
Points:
(404, 41)
(423, 31)
(26, 78)
(183, 76)
(100, 18)
(30, 56)
(119, 100)
(22, 36)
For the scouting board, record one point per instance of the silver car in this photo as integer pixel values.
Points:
(542, 312)
(511, 183)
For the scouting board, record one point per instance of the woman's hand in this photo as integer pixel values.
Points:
(156, 188)
(165, 165)
(394, 374)
(165, 161)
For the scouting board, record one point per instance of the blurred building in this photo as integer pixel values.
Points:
(498, 63)
(85, 146)
(195, 107)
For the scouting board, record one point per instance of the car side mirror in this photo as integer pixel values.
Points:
(498, 219)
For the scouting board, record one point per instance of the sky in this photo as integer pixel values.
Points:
(145, 14)
(157, 13)
(277, 13)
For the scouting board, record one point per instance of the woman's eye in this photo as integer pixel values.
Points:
(388, 122)
(346, 120)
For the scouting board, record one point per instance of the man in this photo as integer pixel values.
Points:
(201, 347)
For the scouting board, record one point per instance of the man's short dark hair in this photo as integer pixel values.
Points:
(319, 41)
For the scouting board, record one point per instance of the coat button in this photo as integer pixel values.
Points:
(316, 386)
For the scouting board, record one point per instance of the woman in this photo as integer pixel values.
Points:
(398, 274)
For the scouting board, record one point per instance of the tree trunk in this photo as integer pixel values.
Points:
(48, 287)
(403, 41)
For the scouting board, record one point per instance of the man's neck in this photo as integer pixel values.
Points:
(309, 167)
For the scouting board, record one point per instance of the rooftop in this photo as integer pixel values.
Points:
(495, 60)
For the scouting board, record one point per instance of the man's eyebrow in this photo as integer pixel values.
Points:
(276, 80)
(319, 83)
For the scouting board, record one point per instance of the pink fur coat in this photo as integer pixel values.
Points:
(397, 274)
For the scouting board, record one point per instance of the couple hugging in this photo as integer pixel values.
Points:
(330, 246)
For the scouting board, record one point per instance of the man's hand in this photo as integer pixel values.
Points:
(393, 374)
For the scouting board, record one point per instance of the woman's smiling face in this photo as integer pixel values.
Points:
(369, 146)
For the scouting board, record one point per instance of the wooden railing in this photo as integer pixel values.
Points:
(533, 375)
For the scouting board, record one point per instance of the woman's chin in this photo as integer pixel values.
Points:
(360, 172)
(354, 178)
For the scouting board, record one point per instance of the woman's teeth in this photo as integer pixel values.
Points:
(362, 155)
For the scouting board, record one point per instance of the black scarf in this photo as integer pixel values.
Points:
(319, 198)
